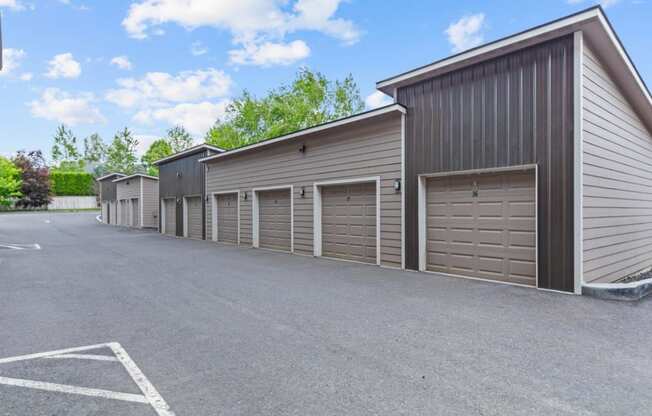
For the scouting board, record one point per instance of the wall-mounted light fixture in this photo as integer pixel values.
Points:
(302, 148)
(244, 196)
(178, 174)
(302, 192)
(397, 185)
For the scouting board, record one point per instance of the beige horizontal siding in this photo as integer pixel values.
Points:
(365, 150)
(150, 203)
(617, 179)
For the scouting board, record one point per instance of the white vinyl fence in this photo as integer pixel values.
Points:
(73, 202)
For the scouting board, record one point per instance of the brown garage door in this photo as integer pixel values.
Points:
(274, 219)
(194, 219)
(483, 226)
(349, 222)
(170, 207)
(227, 218)
(135, 212)
(124, 212)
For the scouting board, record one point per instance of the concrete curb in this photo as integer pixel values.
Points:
(632, 291)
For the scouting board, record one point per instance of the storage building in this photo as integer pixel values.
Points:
(137, 201)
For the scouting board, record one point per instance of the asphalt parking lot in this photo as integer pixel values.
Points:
(220, 330)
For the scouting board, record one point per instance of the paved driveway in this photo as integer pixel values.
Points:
(220, 330)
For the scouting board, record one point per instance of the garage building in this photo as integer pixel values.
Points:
(137, 201)
(527, 159)
(182, 192)
(108, 200)
(332, 190)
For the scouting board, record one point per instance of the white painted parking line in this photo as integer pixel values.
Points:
(64, 388)
(150, 395)
(20, 246)
(85, 357)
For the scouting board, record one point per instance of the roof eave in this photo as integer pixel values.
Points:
(187, 152)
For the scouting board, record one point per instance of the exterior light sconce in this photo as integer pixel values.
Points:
(397, 185)
(302, 148)
(302, 192)
(178, 174)
(244, 196)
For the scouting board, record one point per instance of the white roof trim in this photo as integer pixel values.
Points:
(189, 150)
(578, 18)
(109, 175)
(310, 130)
(136, 175)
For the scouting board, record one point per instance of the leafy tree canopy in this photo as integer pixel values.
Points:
(179, 139)
(94, 149)
(64, 150)
(158, 150)
(309, 100)
(35, 177)
(121, 154)
(10, 182)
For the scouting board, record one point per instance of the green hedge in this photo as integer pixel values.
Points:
(72, 184)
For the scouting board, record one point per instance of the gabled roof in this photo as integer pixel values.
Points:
(597, 31)
(188, 152)
(136, 175)
(310, 130)
(107, 176)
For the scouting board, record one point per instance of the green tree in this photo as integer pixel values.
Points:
(10, 182)
(179, 139)
(158, 150)
(94, 149)
(309, 100)
(64, 150)
(121, 154)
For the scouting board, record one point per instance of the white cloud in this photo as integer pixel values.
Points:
(11, 60)
(67, 108)
(268, 54)
(63, 66)
(197, 49)
(159, 88)
(466, 33)
(12, 4)
(144, 142)
(27, 76)
(197, 118)
(377, 99)
(122, 62)
(250, 22)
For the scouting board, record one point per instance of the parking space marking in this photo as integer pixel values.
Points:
(150, 395)
(85, 357)
(84, 391)
(20, 246)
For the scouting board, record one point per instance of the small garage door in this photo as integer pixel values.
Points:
(483, 226)
(113, 212)
(105, 212)
(274, 219)
(124, 212)
(135, 212)
(349, 222)
(194, 217)
(170, 207)
(227, 218)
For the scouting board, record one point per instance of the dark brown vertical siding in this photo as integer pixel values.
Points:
(108, 189)
(191, 182)
(512, 110)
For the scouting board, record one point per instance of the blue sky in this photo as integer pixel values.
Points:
(98, 66)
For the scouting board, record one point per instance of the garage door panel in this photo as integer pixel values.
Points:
(349, 222)
(274, 219)
(194, 217)
(227, 218)
(483, 226)
(170, 207)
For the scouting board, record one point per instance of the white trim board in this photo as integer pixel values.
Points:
(255, 208)
(191, 150)
(578, 182)
(214, 213)
(317, 211)
(423, 216)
